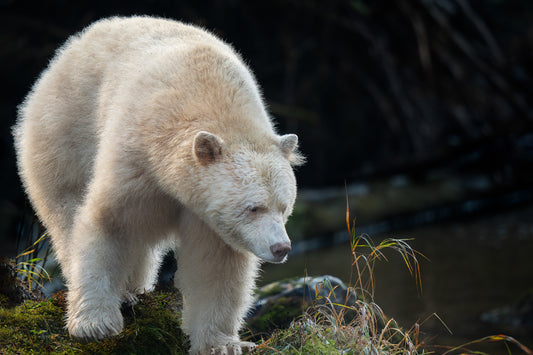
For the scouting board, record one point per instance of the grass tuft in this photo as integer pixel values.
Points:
(357, 326)
(30, 267)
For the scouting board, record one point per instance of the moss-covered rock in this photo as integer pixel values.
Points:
(277, 314)
(152, 326)
(278, 303)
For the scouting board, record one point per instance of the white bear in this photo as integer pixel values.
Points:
(145, 134)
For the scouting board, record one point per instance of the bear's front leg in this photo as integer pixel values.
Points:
(95, 291)
(216, 282)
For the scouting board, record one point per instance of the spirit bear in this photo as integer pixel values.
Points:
(145, 134)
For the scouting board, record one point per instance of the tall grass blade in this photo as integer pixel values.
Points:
(493, 338)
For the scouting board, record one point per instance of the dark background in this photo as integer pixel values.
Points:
(373, 88)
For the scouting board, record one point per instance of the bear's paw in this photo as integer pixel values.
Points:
(90, 326)
(233, 348)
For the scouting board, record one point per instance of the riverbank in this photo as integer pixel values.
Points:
(152, 326)
(477, 265)
(288, 322)
(298, 316)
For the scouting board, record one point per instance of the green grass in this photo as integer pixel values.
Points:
(30, 267)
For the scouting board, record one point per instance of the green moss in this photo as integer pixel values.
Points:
(277, 315)
(33, 327)
(269, 290)
(314, 345)
(298, 339)
(151, 327)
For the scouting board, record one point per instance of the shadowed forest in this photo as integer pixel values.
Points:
(381, 93)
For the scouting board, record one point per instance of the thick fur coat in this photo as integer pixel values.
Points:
(145, 134)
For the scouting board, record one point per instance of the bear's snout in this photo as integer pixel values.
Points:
(280, 250)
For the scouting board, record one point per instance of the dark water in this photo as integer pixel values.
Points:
(475, 266)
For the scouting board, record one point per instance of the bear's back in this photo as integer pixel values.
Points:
(61, 120)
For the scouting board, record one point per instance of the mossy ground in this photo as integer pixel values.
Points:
(152, 326)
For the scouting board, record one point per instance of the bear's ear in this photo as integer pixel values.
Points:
(288, 144)
(207, 147)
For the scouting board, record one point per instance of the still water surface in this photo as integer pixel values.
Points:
(474, 266)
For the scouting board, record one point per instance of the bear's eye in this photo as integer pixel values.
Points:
(255, 209)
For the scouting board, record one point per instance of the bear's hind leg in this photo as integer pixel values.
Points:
(216, 282)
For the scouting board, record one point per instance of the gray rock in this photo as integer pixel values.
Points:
(278, 303)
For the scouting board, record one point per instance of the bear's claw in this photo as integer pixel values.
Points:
(233, 348)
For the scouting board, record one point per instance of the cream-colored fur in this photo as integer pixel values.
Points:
(145, 134)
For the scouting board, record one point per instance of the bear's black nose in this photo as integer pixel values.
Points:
(280, 250)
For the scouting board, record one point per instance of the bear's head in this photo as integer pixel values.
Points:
(246, 194)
